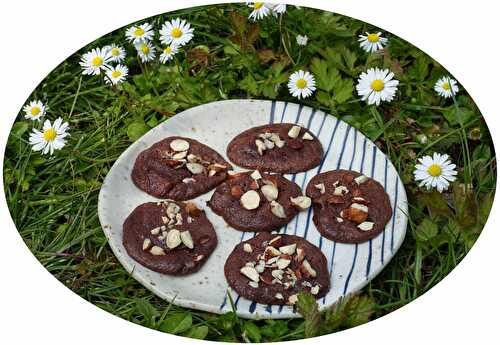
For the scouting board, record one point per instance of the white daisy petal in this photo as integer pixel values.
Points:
(35, 110)
(176, 32)
(301, 84)
(435, 172)
(51, 138)
(376, 85)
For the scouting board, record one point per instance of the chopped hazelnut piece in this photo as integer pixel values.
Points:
(250, 273)
(321, 188)
(307, 136)
(270, 192)
(256, 175)
(179, 145)
(294, 132)
(361, 179)
(261, 147)
(293, 299)
(340, 190)
(289, 249)
(247, 248)
(307, 269)
(195, 168)
(277, 209)
(365, 226)
(155, 250)
(155, 231)
(186, 239)
(302, 202)
(173, 239)
(250, 200)
(278, 296)
(146, 244)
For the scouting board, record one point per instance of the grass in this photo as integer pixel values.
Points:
(53, 199)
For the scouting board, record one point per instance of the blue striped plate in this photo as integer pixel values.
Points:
(351, 266)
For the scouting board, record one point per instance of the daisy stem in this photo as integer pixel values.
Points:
(145, 72)
(76, 96)
(283, 39)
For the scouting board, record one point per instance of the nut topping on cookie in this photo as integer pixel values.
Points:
(146, 244)
(256, 175)
(187, 240)
(195, 168)
(261, 147)
(302, 202)
(307, 136)
(247, 248)
(307, 269)
(294, 132)
(321, 188)
(173, 239)
(340, 190)
(361, 179)
(289, 249)
(277, 209)
(270, 192)
(179, 145)
(365, 226)
(155, 250)
(250, 200)
(250, 273)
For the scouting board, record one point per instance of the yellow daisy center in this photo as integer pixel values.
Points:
(116, 73)
(434, 170)
(145, 49)
(138, 32)
(49, 134)
(115, 51)
(377, 85)
(167, 50)
(258, 5)
(373, 38)
(301, 83)
(446, 86)
(35, 110)
(176, 33)
(97, 61)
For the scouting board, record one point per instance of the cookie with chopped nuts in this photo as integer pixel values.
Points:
(169, 237)
(273, 269)
(179, 168)
(348, 207)
(254, 201)
(281, 148)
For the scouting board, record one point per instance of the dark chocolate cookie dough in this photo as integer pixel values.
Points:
(179, 168)
(273, 269)
(251, 201)
(169, 237)
(348, 207)
(281, 148)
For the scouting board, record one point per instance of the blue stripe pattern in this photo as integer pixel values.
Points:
(339, 149)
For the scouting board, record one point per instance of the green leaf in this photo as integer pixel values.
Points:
(359, 309)
(325, 76)
(251, 332)
(136, 130)
(482, 152)
(308, 308)
(19, 128)
(343, 90)
(147, 310)
(435, 203)
(199, 332)
(177, 323)
(457, 115)
(426, 230)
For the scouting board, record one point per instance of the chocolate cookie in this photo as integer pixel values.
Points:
(273, 269)
(251, 201)
(179, 168)
(348, 207)
(169, 237)
(281, 148)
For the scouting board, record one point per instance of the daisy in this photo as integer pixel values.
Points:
(168, 53)
(301, 84)
(146, 51)
(116, 74)
(377, 85)
(435, 172)
(279, 9)
(117, 53)
(35, 110)
(140, 33)
(52, 137)
(94, 61)
(302, 40)
(372, 42)
(260, 10)
(176, 31)
(446, 87)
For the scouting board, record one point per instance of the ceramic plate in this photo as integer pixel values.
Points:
(351, 266)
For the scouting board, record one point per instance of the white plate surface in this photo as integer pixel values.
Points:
(351, 266)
